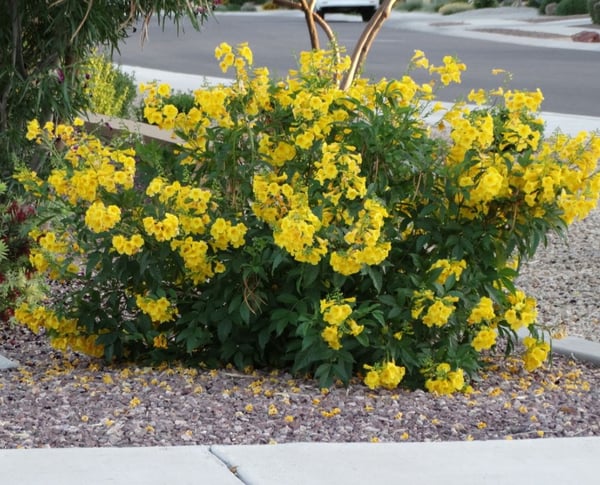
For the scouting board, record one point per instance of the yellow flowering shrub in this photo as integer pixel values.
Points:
(109, 90)
(298, 225)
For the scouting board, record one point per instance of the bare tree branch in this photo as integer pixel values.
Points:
(317, 18)
(366, 41)
(307, 8)
(90, 3)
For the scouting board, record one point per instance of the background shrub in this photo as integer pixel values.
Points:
(594, 9)
(455, 7)
(485, 3)
(42, 46)
(109, 90)
(18, 282)
(410, 5)
(572, 7)
(269, 5)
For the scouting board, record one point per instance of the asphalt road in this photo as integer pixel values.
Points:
(569, 79)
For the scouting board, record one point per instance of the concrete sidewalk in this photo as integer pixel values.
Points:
(522, 462)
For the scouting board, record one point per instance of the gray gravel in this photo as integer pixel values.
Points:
(565, 279)
(63, 401)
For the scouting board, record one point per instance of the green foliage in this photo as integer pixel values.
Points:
(269, 5)
(455, 7)
(410, 5)
(298, 225)
(572, 7)
(184, 102)
(110, 91)
(17, 281)
(41, 45)
(594, 9)
(485, 3)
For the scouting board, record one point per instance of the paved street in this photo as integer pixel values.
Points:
(568, 78)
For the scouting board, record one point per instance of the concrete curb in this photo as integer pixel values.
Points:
(181, 465)
(578, 348)
(7, 363)
(496, 462)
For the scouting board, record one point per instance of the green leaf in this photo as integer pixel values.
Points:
(245, 313)
(263, 337)
(325, 374)
(376, 277)
(235, 303)
(286, 298)
(224, 329)
(3, 251)
(388, 300)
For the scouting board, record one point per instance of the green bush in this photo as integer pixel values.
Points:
(572, 7)
(42, 46)
(18, 282)
(184, 102)
(269, 5)
(110, 91)
(485, 3)
(410, 5)
(437, 4)
(301, 226)
(594, 9)
(455, 7)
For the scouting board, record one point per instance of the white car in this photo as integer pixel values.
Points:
(366, 8)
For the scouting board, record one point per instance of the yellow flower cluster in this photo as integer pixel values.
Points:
(225, 234)
(240, 59)
(336, 313)
(64, 332)
(49, 242)
(439, 310)
(536, 353)
(558, 171)
(339, 173)
(323, 62)
(450, 71)
(164, 229)
(92, 165)
(523, 311)
(485, 339)
(445, 380)
(296, 232)
(388, 375)
(195, 258)
(448, 268)
(54, 255)
(160, 341)
(160, 310)
(100, 218)
(484, 310)
(128, 246)
(273, 197)
(366, 244)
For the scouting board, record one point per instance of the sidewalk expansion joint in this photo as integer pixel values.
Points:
(231, 467)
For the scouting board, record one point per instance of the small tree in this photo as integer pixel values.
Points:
(41, 43)
(364, 43)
